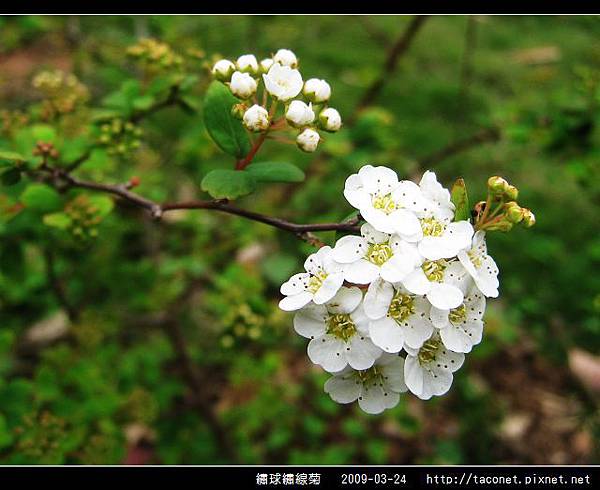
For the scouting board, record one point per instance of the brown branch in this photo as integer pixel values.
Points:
(376, 34)
(393, 56)
(486, 135)
(57, 287)
(157, 209)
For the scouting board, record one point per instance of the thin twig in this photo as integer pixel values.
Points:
(157, 209)
(394, 54)
(57, 287)
(376, 34)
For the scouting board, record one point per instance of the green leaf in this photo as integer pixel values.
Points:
(57, 220)
(460, 199)
(11, 176)
(104, 204)
(10, 157)
(226, 131)
(40, 197)
(143, 103)
(275, 172)
(228, 184)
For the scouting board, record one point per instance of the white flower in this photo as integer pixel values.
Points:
(285, 57)
(242, 85)
(398, 318)
(330, 119)
(247, 63)
(256, 118)
(223, 70)
(283, 82)
(317, 90)
(442, 239)
(461, 328)
(374, 255)
(266, 64)
(376, 389)
(481, 266)
(299, 114)
(384, 202)
(441, 281)
(428, 370)
(308, 140)
(320, 283)
(338, 332)
(440, 204)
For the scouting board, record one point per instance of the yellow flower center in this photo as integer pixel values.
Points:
(384, 203)
(401, 307)
(475, 258)
(434, 269)
(428, 351)
(341, 326)
(432, 227)
(458, 315)
(379, 253)
(315, 282)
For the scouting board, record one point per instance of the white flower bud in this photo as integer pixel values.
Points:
(286, 57)
(308, 140)
(247, 64)
(330, 120)
(256, 118)
(317, 90)
(266, 64)
(299, 114)
(283, 82)
(242, 85)
(223, 70)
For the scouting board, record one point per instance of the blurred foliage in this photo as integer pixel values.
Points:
(77, 390)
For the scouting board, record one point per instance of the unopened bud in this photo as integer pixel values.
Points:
(134, 181)
(299, 114)
(497, 185)
(242, 85)
(247, 64)
(266, 64)
(316, 90)
(513, 212)
(256, 118)
(528, 218)
(330, 119)
(223, 70)
(308, 140)
(512, 193)
(500, 226)
(238, 110)
(285, 57)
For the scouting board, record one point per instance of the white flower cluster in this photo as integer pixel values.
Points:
(414, 281)
(282, 82)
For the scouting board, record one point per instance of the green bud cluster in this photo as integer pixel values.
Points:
(155, 55)
(63, 92)
(120, 137)
(84, 217)
(504, 210)
(242, 324)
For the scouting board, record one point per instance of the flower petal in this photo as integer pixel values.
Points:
(445, 296)
(406, 223)
(296, 301)
(413, 375)
(378, 299)
(327, 351)
(295, 284)
(387, 334)
(361, 272)
(349, 248)
(331, 285)
(417, 329)
(343, 389)
(310, 321)
(345, 301)
(416, 282)
(361, 352)
(379, 220)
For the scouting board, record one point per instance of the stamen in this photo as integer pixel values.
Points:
(384, 203)
(428, 351)
(315, 281)
(432, 227)
(434, 269)
(341, 326)
(401, 307)
(458, 315)
(379, 253)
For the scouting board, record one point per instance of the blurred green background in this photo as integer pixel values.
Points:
(95, 325)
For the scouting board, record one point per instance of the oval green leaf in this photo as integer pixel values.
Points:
(275, 172)
(40, 197)
(226, 131)
(228, 184)
(460, 199)
(10, 158)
